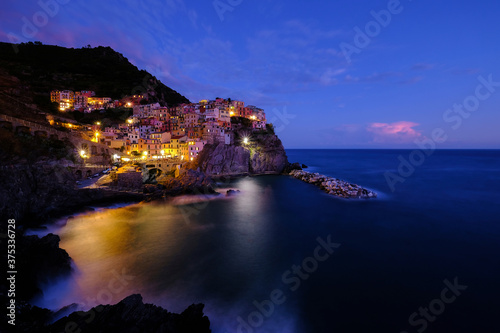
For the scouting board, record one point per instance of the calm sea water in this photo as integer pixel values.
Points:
(386, 274)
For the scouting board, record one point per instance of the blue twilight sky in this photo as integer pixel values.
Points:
(400, 79)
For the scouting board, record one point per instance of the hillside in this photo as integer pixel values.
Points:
(28, 76)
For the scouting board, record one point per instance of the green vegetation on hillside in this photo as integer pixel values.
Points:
(43, 68)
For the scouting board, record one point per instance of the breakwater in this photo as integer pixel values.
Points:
(334, 186)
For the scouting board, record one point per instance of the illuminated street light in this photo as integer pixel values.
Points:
(245, 140)
(83, 155)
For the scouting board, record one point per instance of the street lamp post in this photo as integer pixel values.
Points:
(83, 155)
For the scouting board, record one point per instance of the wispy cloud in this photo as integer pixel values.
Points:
(393, 134)
(348, 128)
(397, 132)
(375, 77)
(412, 80)
(423, 67)
(464, 71)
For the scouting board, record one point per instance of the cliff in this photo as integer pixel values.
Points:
(264, 154)
(29, 193)
(33, 193)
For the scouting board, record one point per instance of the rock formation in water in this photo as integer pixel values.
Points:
(333, 186)
(263, 155)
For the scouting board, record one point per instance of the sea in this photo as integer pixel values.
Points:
(281, 255)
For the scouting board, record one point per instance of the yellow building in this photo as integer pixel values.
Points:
(177, 147)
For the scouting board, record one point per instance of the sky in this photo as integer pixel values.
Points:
(329, 74)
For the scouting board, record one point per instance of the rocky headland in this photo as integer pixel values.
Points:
(264, 154)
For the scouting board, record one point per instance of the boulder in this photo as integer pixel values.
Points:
(292, 166)
(41, 261)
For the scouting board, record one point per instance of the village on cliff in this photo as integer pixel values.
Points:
(153, 132)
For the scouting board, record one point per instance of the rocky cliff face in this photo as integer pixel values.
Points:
(31, 192)
(264, 155)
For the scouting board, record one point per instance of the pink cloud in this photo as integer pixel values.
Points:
(398, 132)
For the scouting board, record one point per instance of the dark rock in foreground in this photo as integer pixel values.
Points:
(189, 182)
(41, 261)
(333, 186)
(130, 315)
(231, 192)
(292, 166)
(34, 194)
